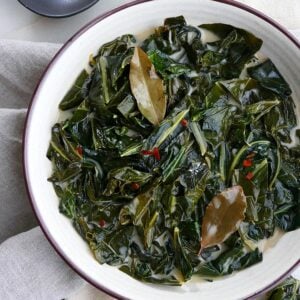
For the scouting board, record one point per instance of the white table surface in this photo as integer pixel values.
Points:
(16, 22)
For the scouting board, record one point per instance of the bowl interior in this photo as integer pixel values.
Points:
(140, 20)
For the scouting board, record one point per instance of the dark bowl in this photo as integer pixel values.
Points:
(57, 8)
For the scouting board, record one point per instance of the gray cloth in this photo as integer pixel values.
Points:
(29, 266)
(30, 269)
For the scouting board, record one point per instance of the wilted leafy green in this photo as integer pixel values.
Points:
(76, 94)
(229, 261)
(137, 188)
(270, 78)
(289, 289)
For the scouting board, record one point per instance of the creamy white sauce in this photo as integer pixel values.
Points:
(255, 192)
(175, 85)
(132, 133)
(143, 35)
(214, 255)
(170, 39)
(193, 74)
(123, 250)
(207, 36)
(295, 141)
(179, 56)
(135, 238)
(267, 244)
(259, 58)
(190, 36)
(63, 115)
(173, 47)
(191, 90)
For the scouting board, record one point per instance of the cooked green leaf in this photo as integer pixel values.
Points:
(270, 78)
(289, 289)
(75, 95)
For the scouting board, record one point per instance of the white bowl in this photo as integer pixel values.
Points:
(140, 18)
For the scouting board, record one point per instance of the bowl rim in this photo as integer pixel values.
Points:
(81, 31)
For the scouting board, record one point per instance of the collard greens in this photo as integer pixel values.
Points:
(151, 141)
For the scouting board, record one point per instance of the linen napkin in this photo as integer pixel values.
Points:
(29, 266)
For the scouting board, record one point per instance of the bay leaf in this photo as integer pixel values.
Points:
(223, 216)
(147, 87)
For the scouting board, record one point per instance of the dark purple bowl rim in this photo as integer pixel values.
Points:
(58, 16)
(58, 54)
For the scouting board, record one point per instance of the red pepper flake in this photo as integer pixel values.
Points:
(147, 152)
(156, 153)
(79, 150)
(184, 122)
(102, 223)
(249, 175)
(247, 163)
(135, 186)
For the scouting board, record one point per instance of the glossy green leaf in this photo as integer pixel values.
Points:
(74, 97)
